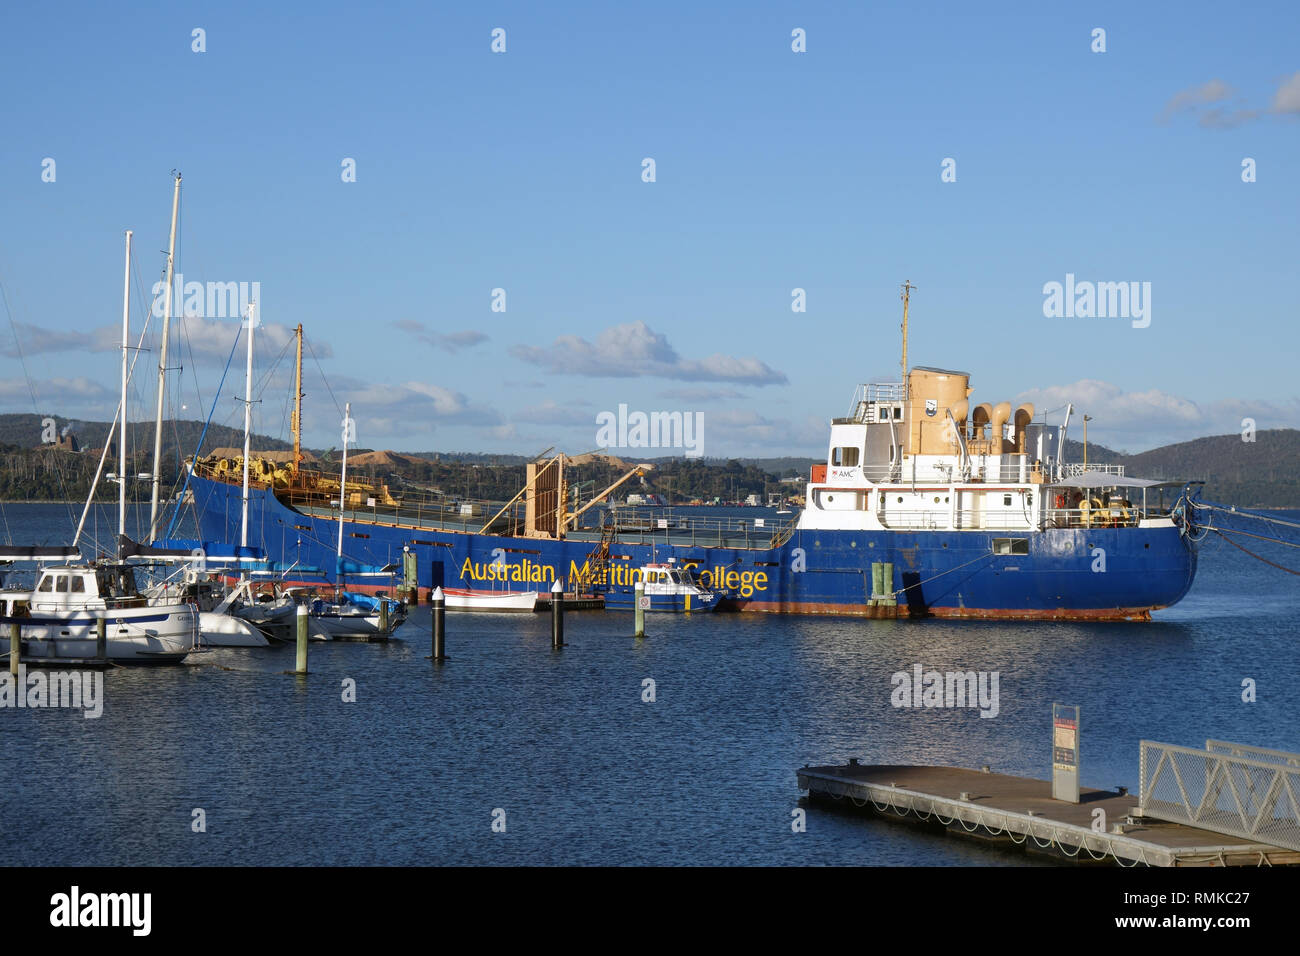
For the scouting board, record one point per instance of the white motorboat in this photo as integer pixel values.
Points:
(60, 617)
(492, 602)
(348, 615)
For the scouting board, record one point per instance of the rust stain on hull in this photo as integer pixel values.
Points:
(954, 613)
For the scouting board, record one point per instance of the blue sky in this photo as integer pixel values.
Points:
(774, 170)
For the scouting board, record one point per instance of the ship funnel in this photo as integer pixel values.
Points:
(1001, 415)
(1024, 415)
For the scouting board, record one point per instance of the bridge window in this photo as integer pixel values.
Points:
(62, 585)
(844, 457)
(47, 584)
(78, 585)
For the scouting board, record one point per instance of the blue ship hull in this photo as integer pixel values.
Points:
(944, 573)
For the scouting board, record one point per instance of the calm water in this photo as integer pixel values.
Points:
(287, 773)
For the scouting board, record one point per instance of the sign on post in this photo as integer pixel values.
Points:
(1065, 753)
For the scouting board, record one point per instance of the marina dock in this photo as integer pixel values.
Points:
(1021, 812)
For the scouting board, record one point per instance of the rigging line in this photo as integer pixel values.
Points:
(265, 381)
(942, 573)
(1258, 557)
(337, 406)
(94, 482)
(1261, 537)
(1246, 514)
(198, 448)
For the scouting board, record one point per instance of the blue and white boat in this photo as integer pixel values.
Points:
(667, 587)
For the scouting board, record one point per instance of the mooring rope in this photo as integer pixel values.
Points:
(1253, 554)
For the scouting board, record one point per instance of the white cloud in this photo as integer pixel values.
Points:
(1213, 91)
(1287, 97)
(1286, 101)
(1136, 421)
(448, 342)
(204, 341)
(634, 349)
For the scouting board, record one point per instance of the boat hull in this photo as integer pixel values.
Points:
(144, 636)
(490, 602)
(226, 630)
(1097, 574)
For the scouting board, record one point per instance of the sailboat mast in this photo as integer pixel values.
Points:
(907, 290)
(297, 407)
(248, 420)
(121, 441)
(343, 481)
(162, 365)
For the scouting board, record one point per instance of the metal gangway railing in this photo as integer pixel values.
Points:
(638, 524)
(1074, 469)
(1244, 791)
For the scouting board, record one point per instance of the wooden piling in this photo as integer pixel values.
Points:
(301, 667)
(15, 647)
(383, 616)
(638, 593)
(101, 639)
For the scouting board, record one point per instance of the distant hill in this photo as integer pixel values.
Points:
(179, 435)
(1262, 473)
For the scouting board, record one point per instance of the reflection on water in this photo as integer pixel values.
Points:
(286, 772)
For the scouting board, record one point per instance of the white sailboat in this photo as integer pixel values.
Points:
(218, 628)
(350, 615)
(62, 612)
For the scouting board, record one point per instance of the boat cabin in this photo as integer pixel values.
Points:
(78, 586)
(920, 456)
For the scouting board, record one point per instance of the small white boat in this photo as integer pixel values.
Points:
(226, 630)
(492, 602)
(218, 625)
(61, 617)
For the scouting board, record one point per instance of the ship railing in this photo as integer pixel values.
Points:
(864, 395)
(665, 526)
(1074, 469)
(1243, 791)
(1107, 516)
(430, 512)
(961, 520)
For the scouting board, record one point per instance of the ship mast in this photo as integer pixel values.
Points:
(296, 421)
(907, 290)
(162, 364)
(121, 443)
(343, 485)
(248, 421)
